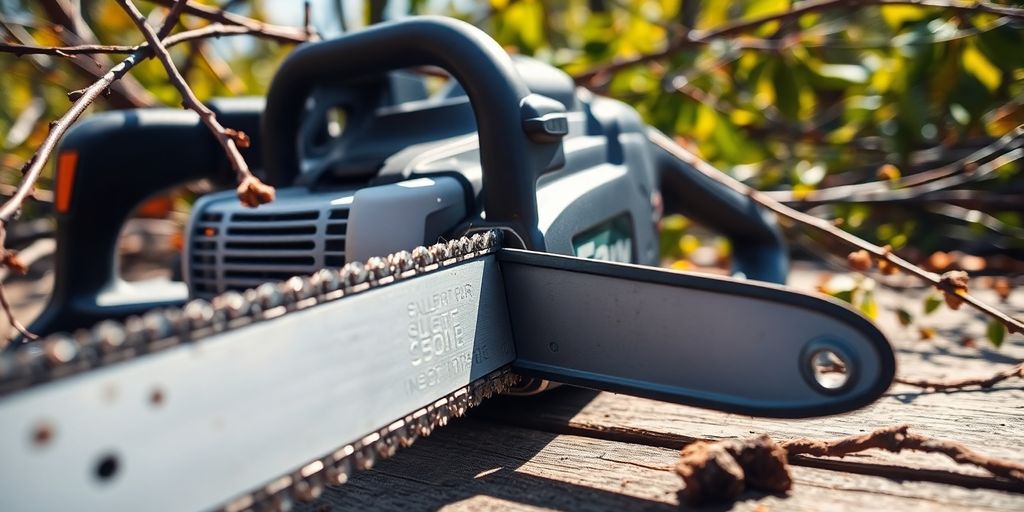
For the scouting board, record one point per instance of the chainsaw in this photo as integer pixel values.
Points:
(434, 242)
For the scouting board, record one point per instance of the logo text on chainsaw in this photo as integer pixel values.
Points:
(619, 250)
(438, 344)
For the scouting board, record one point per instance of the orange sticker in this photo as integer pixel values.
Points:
(66, 162)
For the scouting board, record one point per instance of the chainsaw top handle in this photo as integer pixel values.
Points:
(519, 132)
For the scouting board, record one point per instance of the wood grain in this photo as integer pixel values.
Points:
(575, 449)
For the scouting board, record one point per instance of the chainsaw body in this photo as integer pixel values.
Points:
(367, 161)
(499, 189)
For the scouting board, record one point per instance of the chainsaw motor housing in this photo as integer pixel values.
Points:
(368, 159)
(598, 199)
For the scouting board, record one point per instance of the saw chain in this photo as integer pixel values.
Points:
(111, 342)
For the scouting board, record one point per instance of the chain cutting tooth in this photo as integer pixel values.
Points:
(268, 296)
(338, 471)
(60, 349)
(199, 314)
(422, 257)
(438, 252)
(326, 280)
(156, 325)
(378, 268)
(234, 305)
(109, 335)
(299, 288)
(353, 274)
(402, 261)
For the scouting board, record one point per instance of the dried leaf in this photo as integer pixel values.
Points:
(1002, 287)
(889, 172)
(886, 268)
(859, 260)
(716, 471)
(241, 139)
(955, 280)
(939, 261)
(252, 192)
(11, 260)
(926, 333)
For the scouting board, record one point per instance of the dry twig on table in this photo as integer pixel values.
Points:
(1016, 371)
(721, 470)
(953, 285)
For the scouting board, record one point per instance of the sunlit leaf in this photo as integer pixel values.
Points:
(995, 332)
(868, 306)
(978, 65)
(896, 15)
(904, 317)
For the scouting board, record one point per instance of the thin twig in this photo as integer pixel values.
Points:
(688, 38)
(307, 22)
(214, 30)
(914, 184)
(83, 98)
(952, 290)
(11, 318)
(722, 470)
(267, 30)
(65, 51)
(895, 439)
(983, 382)
(251, 191)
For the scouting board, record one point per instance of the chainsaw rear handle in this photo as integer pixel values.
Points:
(502, 103)
(110, 163)
(759, 249)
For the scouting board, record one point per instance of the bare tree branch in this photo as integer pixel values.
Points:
(72, 29)
(950, 286)
(269, 31)
(251, 191)
(974, 166)
(687, 38)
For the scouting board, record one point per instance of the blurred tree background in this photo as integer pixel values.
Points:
(901, 106)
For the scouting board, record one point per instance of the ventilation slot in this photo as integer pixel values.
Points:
(272, 231)
(235, 249)
(271, 246)
(274, 217)
(270, 260)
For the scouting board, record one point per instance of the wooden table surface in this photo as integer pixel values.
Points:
(577, 449)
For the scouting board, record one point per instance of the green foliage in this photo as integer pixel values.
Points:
(995, 332)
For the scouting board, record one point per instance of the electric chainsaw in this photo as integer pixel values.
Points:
(428, 248)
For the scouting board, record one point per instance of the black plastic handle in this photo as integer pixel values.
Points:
(121, 159)
(759, 249)
(500, 100)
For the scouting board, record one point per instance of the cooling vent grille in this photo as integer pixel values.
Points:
(233, 250)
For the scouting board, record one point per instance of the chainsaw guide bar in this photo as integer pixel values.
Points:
(199, 330)
(282, 374)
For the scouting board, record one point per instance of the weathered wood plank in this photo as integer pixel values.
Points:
(474, 465)
(987, 420)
